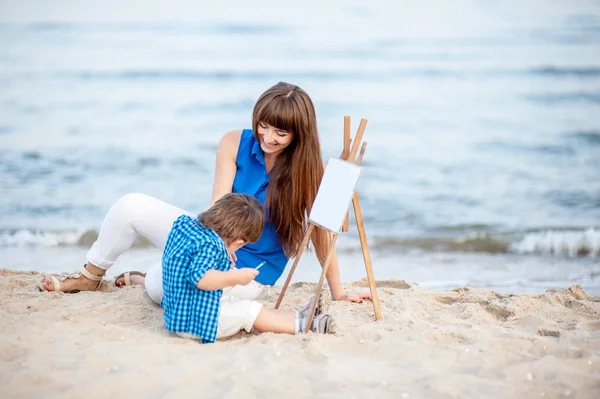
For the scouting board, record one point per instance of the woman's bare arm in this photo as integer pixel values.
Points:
(333, 278)
(335, 283)
(226, 168)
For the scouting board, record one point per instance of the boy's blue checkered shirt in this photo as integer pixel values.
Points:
(191, 251)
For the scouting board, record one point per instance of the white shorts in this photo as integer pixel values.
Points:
(238, 308)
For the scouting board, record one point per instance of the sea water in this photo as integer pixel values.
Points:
(483, 158)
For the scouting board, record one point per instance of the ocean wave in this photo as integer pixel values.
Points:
(561, 243)
(31, 238)
(327, 73)
(35, 238)
(193, 75)
(591, 137)
(582, 71)
(318, 72)
(542, 149)
(565, 98)
(224, 74)
(471, 242)
(155, 27)
(556, 242)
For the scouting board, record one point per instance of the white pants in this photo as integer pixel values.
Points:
(135, 214)
(131, 215)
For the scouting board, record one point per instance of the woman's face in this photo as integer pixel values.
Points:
(273, 140)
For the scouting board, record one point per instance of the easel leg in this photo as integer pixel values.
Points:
(320, 285)
(296, 260)
(367, 257)
(345, 153)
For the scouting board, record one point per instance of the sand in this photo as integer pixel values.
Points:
(464, 343)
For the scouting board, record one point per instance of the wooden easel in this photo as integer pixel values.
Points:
(348, 155)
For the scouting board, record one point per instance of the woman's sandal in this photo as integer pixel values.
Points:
(127, 278)
(56, 281)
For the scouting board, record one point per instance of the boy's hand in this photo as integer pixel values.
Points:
(245, 276)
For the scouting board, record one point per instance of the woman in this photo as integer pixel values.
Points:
(278, 162)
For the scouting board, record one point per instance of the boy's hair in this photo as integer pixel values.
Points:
(235, 216)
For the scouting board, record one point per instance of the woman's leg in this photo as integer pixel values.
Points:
(153, 283)
(131, 215)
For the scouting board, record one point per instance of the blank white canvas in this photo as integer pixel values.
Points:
(335, 193)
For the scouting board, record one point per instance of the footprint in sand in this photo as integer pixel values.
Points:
(499, 312)
(447, 300)
(548, 333)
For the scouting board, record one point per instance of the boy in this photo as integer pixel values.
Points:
(196, 266)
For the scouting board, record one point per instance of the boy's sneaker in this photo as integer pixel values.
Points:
(321, 324)
(322, 306)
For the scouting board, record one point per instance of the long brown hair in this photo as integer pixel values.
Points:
(298, 170)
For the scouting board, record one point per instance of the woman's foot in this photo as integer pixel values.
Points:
(88, 279)
(130, 278)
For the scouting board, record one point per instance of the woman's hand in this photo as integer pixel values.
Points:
(335, 285)
(355, 297)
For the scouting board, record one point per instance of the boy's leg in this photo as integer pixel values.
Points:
(237, 314)
(291, 322)
(277, 321)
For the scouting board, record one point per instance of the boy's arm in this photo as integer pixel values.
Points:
(216, 280)
(204, 273)
(203, 263)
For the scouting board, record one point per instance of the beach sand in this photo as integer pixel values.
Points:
(464, 343)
